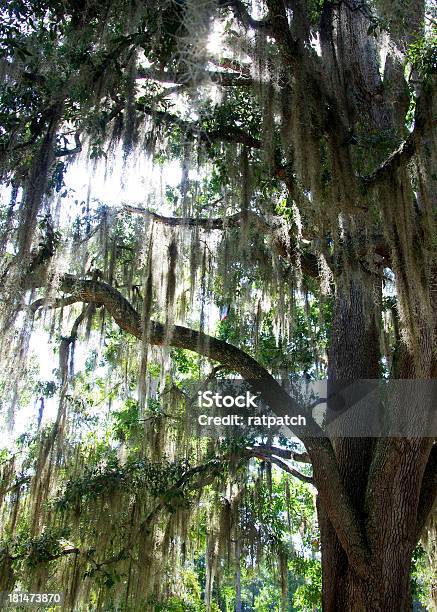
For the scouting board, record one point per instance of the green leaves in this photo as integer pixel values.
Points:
(113, 476)
(308, 594)
(47, 388)
(127, 420)
(186, 362)
(43, 548)
(422, 54)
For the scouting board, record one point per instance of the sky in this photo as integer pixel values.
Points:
(136, 181)
(119, 181)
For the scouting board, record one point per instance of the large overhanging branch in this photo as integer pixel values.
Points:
(128, 319)
(326, 474)
(191, 130)
(285, 453)
(287, 468)
(229, 133)
(213, 223)
(225, 79)
(308, 261)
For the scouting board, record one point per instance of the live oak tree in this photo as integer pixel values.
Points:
(312, 134)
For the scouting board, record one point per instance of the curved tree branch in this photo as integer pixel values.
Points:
(308, 261)
(228, 133)
(285, 453)
(290, 470)
(225, 79)
(283, 465)
(230, 356)
(326, 474)
(128, 319)
(214, 223)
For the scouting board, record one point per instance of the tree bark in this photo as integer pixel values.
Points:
(353, 355)
(383, 478)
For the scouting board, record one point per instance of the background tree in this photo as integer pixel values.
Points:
(307, 143)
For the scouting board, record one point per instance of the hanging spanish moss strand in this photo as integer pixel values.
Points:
(146, 314)
(37, 183)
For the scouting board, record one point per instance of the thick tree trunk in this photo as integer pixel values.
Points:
(354, 355)
(386, 480)
(385, 590)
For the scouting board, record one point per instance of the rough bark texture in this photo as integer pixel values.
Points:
(381, 477)
(353, 355)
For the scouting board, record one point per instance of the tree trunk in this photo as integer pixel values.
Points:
(384, 591)
(354, 355)
(382, 477)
